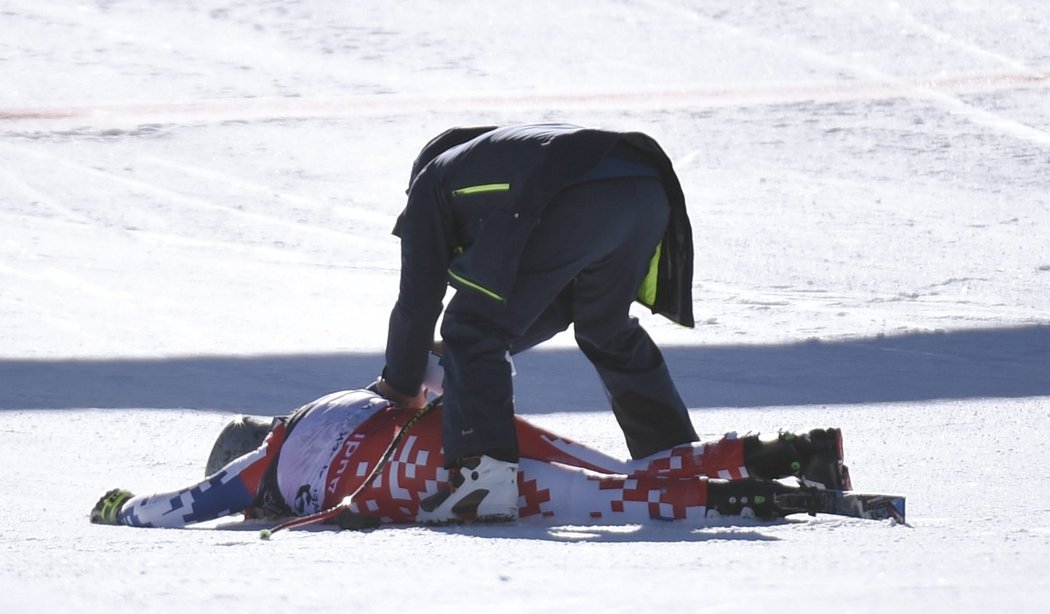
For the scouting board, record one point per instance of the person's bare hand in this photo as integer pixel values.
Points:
(408, 402)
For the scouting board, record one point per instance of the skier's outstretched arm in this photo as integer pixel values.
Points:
(230, 490)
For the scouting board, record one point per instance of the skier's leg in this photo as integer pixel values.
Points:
(564, 494)
(720, 458)
(814, 456)
(542, 445)
(577, 495)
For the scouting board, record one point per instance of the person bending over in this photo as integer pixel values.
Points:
(538, 226)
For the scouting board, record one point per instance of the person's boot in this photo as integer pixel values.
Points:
(814, 457)
(480, 489)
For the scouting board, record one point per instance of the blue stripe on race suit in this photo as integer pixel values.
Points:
(220, 495)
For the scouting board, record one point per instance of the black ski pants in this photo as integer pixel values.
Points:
(583, 265)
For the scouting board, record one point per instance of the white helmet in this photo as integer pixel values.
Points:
(241, 435)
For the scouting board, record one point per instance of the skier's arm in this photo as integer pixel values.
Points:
(229, 491)
(217, 496)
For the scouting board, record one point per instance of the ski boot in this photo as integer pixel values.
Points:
(480, 489)
(815, 458)
(746, 498)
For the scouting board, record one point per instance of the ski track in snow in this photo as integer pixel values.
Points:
(195, 208)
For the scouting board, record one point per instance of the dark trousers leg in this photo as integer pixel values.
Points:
(583, 264)
(643, 396)
(478, 415)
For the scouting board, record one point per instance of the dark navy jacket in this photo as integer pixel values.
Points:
(475, 196)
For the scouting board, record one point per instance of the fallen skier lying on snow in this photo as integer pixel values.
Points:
(391, 460)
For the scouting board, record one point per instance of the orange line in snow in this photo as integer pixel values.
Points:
(742, 95)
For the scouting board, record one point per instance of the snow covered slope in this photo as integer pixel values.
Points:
(195, 206)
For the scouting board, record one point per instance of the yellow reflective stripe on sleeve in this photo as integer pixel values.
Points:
(647, 291)
(482, 188)
(474, 286)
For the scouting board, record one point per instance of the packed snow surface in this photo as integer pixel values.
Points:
(195, 211)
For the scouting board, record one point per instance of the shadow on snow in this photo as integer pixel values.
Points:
(715, 529)
(984, 363)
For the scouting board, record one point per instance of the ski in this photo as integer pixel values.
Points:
(852, 504)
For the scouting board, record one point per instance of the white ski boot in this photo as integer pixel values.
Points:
(480, 489)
